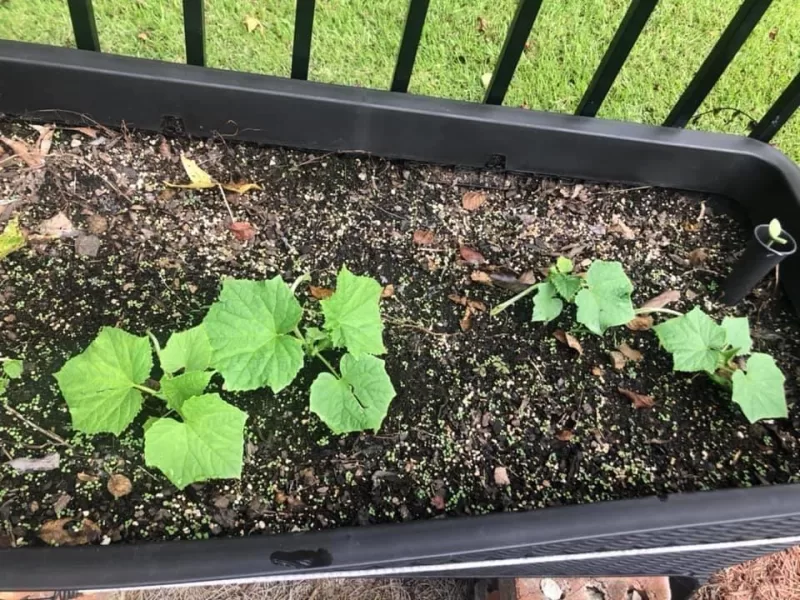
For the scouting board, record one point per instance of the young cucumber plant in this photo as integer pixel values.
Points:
(698, 344)
(256, 341)
(10, 368)
(251, 337)
(105, 386)
(603, 296)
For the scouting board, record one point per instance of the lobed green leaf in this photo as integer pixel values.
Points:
(179, 389)
(695, 341)
(99, 384)
(546, 303)
(208, 444)
(12, 367)
(759, 392)
(189, 350)
(248, 329)
(737, 334)
(606, 300)
(352, 314)
(356, 402)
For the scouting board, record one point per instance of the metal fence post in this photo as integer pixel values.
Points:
(81, 12)
(303, 27)
(407, 55)
(780, 112)
(194, 30)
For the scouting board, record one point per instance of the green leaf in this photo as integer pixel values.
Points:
(357, 401)
(12, 238)
(180, 388)
(247, 328)
(3, 385)
(353, 316)
(564, 265)
(12, 368)
(189, 350)
(737, 334)
(694, 340)
(566, 285)
(208, 444)
(99, 384)
(760, 392)
(606, 300)
(546, 304)
(775, 231)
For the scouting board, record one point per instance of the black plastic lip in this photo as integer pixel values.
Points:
(63, 84)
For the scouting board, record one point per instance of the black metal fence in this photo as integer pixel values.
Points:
(639, 11)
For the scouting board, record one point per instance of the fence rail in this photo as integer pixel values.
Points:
(629, 30)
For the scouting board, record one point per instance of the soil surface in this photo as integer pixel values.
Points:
(500, 416)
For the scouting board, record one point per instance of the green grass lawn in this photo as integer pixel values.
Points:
(356, 42)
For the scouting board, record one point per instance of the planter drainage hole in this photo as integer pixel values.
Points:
(172, 126)
(302, 559)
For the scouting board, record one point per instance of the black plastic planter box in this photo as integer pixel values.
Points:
(685, 534)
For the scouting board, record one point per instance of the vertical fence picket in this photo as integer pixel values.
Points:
(735, 34)
(81, 12)
(779, 113)
(303, 27)
(517, 36)
(412, 33)
(194, 27)
(629, 30)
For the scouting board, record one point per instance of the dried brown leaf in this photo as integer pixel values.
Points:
(527, 278)
(630, 353)
(640, 323)
(466, 321)
(86, 477)
(507, 281)
(598, 371)
(241, 188)
(473, 200)
(87, 245)
(28, 155)
(475, 305)
(471, 256)
(165, 150)
(619, 226)
(697, 257)
(242, 230)
(423, 237)
(87, 131)
(57, 533)
(45, 141)
(320, 293)
(387, 291)
(618, 359)
(97, 224)
(565, 435)
(568, 339)
(481, 277)
(639, 400)
(663, 299)
(119, 485)
(57, 226)
(501, 476)
(60, 505)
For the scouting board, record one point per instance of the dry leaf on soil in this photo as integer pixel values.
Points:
(423, 237)
(200, 180)
(57, 226)
(119, 485)
(28, 155)
(60, 505)
(481, 277)
(619, 226)
(59, 533)
(87, 131)
(45, 141)
(242, 230)
(320, 293)
(630, 353)
(640, 323)
(252, 24)
(697, 257)
(568, 339)
(464, 301)
(565, 435)
(473, 200)
(618, 360)
(598, 371)
(86, 477)
(97, 224)
(663, 299)
(471, 256)
(387, 291)
(87, 245)
(466, 321)
(639, 400)
(47, 462)
(501, 476)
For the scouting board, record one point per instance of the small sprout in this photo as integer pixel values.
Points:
(775, 230)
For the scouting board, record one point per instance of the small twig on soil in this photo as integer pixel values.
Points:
(417, 326)
(49, 434)
(225, 200)
(622, 191)
(3, 448)
(100, 175)
(309, 161)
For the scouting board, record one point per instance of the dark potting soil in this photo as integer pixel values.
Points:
(500, 416)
